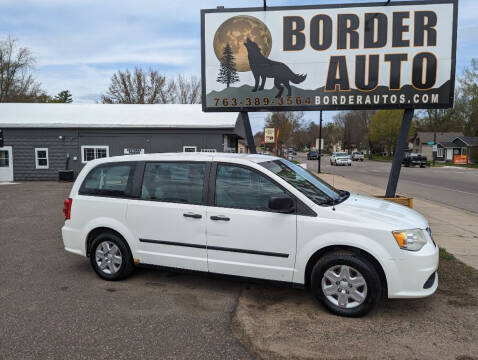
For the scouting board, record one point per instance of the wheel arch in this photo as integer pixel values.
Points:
(327, 249)
(100, 230)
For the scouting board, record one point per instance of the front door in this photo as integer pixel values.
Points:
(244, 237)
(169, 219)
(449, 154)
(6, 163)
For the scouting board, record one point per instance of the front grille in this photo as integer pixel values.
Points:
(431, 280)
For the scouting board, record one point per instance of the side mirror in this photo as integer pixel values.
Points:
(282, 203)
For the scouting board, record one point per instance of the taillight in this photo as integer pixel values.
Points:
(67, 208)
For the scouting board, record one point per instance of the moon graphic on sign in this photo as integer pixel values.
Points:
(235, 31)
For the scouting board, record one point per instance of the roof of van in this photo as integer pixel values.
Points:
(207, 156)
(20, 115)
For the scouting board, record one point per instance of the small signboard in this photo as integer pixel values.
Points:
(435, 148)
(321, 147)
(269, 135)
(329, 57)
(460, 159)
(133, 151)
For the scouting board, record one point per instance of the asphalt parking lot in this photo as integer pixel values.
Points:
(53, 306)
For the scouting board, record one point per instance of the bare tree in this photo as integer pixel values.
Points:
(188, 90)
(16, 80)
(139, 87)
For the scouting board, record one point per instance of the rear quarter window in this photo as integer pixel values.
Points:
(113, 180)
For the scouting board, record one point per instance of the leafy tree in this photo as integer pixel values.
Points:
(16, 79)
(63, 97)
(467, 98)
(227, 72)
(384, 128)
(288, 124)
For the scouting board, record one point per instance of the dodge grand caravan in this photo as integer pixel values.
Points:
(253, 216)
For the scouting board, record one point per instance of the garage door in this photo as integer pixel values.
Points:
(6, 163)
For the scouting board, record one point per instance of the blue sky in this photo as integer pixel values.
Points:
(80, 44)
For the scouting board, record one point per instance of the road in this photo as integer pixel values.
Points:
(457, 187)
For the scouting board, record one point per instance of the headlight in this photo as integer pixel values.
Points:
(413, 239)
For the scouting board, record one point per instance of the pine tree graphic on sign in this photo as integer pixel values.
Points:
(227, 72)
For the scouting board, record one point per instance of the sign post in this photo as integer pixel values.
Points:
(399, 152)
(247, 129)
(319, 150)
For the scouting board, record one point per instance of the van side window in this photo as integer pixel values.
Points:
(108, 180)
(178, 182)
(237, 187)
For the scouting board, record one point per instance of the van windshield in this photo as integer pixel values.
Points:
(310, 185)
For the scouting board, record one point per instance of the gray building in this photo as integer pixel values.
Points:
(422, 142)
(39, 140)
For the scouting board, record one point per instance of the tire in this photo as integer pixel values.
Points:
(114, 268)
(359, 270)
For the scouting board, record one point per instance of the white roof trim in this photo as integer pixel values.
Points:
(19, 115)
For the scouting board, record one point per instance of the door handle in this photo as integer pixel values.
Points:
(192, 215)
(220, 217)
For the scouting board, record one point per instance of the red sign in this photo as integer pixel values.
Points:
(460, 159)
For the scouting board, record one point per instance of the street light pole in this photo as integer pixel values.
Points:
(319, 150)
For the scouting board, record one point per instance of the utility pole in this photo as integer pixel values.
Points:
(319, 150)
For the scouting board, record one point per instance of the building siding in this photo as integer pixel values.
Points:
(25, 140)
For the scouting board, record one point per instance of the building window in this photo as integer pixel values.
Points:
(440, 152)
(189, 149)
(208, 150)
(41, 158)
(92, 152)
(4, 159)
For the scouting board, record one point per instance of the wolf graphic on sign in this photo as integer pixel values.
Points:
(263, 68)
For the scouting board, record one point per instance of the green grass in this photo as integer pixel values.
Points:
(457, 281)
(445, 255)
(382, 158)
(473, 166)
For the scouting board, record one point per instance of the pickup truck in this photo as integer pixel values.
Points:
(413, 159)
(357, 156)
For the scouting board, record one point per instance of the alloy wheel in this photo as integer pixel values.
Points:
(344, 286)
(108, 257)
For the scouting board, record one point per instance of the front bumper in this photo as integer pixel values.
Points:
(343, 162)
(409, 276)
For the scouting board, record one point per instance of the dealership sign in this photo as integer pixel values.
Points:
(329, 57)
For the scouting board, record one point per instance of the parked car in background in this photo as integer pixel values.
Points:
(340, 158)
(312, 155)
(415, 159)
(357, 156)
(291, 151)
(265, 218)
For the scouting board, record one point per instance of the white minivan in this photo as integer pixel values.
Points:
(252, 216)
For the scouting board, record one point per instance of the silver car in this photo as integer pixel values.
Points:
(340, 158)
